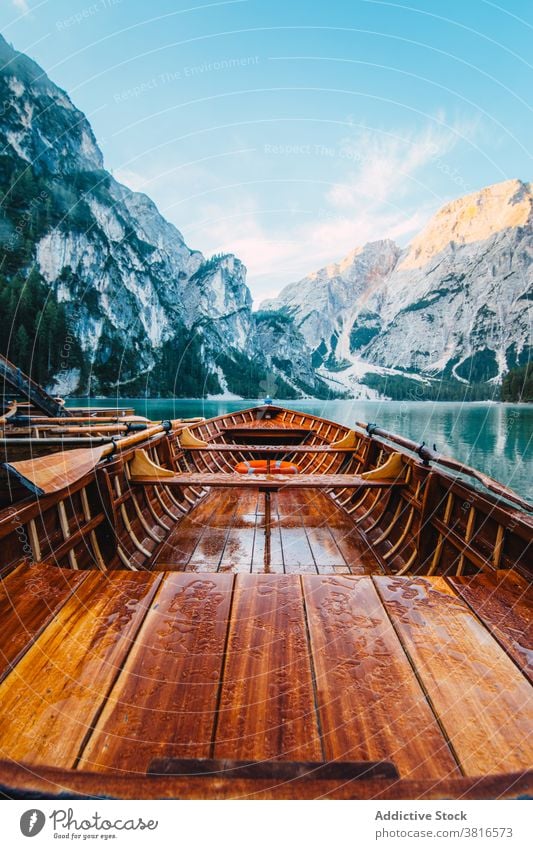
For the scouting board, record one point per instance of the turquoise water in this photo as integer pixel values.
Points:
(495, 438)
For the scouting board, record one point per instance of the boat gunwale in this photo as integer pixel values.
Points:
(32, 781)
(490, 500)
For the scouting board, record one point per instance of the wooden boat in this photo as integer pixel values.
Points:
(175, 629)
(25, 434)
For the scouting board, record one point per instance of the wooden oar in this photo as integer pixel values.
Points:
(105, 428)
(428, 455)
(45, 475)
(50, 474)
(43, 421)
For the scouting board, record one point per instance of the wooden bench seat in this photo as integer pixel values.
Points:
(227, 447)
(266, 482)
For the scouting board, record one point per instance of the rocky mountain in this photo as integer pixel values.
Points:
(455, 305)
(100, 293)
(130, 306)
(328, 303)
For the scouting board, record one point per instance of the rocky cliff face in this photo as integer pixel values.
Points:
(455, 304)
(328, 303)
(458, 302)
(147, 312)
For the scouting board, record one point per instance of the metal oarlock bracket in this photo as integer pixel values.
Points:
(113, 448)
(422, 452)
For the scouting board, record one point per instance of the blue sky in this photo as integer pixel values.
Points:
(289, 132)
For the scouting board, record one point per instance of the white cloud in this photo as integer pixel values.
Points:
(274, 259)
(21, 5)
(386, 193)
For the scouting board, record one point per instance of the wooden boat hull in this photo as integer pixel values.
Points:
(23, 782)
(154, 616)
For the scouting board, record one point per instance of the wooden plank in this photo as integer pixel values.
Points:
(30, 597)
(164, 701)
(503, 602)
(268, 431)
(482, 700)
(238, 550)
(267, 708)
(276, 553)
(187, 534)
(297, 554)
(370, 702)
(213, 521)
(274, 770)
(50, 783)
(275, 482)
(176, 550)
(324, 550)
(232, 447)
(49, 701)
(355, 551)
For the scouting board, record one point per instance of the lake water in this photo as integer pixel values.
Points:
(494, 438)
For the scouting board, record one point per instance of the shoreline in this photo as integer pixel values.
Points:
(310, 400)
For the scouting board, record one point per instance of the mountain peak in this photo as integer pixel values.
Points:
(39, 121)
(471, 218)
(453, 305)
(368, 252)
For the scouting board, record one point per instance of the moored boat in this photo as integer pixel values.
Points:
(185, 617)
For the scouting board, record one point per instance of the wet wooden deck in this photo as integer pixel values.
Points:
(225, 532)
(108, 672)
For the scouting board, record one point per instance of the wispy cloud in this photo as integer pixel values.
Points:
(21, 6)
(386, 192)
(387, 165)
(274, 258)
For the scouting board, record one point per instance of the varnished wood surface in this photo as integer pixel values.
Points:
(30, 596)
(49, 701)
(45, 475)
(354, 548)
(17, 781)
(274, 482)
(140, 666)
(275, 770)
(225, 532)
(484, 703)
(273, 427)
(164, 701)
(504, 603)
(232, 447)
(370, 703)
(267, 708)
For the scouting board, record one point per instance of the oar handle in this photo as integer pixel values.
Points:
(166, 426)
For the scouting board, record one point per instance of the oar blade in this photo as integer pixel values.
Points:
(54, 472)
